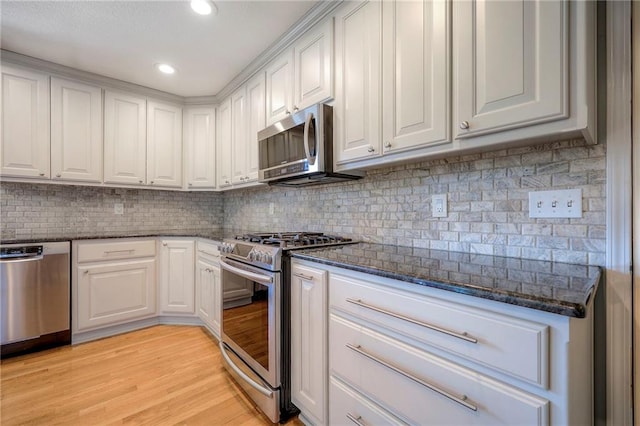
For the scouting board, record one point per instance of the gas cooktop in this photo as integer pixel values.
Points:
(292, 239)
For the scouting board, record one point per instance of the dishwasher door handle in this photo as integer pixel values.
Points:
(21, 259)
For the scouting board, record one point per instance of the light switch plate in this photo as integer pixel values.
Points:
(439, 205)
(566, 203)
(118, 208)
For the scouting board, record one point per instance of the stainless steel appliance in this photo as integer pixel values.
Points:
(255, 334)
(298, 151)
(35, 301)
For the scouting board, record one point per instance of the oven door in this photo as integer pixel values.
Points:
(251, 330)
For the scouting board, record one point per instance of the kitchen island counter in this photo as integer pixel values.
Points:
(561, 288)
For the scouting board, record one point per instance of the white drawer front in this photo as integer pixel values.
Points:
(208, 250)
(513, 346)
(440, 392)
(101, 251)
(348, 407)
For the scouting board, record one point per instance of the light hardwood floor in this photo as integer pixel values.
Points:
(162, 375)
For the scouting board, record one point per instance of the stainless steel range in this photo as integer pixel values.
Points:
(255, 329)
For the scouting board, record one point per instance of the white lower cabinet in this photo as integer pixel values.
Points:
(309, 342)
(113, 283)
(208, 286)
(176, 281)
(401, 353)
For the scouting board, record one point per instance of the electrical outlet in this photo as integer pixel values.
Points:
(439, 205)
(565, 203)
(118, 208)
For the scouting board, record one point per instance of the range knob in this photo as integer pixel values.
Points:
(266, 257)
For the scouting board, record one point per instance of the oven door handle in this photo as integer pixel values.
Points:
(265, 391)
(264, 279)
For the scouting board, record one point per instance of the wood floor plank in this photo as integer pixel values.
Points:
(163, 375)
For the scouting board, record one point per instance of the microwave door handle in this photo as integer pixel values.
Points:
(307, 124)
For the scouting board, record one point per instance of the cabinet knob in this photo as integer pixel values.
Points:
(164, 244)
(86, 271)
(58, 175)
(464, 125)
(151, 182)
(227, 182)
(387, 145)
(371, 149)
(190, 184)
(140, 181)
(246, 178)
(287, 112)
(242, 178)
(41, 174)
(295, 108)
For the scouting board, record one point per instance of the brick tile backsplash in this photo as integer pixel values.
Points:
(40, 211)
(487, 200)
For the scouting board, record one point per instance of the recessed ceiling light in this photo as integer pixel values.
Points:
(204, 7)
(165, 68)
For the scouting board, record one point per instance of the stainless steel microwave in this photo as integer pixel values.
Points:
(298, 151)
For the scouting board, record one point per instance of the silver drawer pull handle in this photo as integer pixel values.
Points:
(107, 252)
(462, 400)
(304, 277)
(355, 419)
(463, 336)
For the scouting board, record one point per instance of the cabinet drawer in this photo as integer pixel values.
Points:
(423, 388)
(513, 346)
(100, 251)
(209, 250)
(348, 406)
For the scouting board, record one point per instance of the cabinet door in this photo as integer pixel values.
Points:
(216, 301)
(25, 124)
(239, 135)
(511, 64)
(177, 281)
(313, 67)
(256, 122)
(76, 131)
(309, 373)
(415, 74)
(279, 88)
(125, 138)
(357, 109)
(224, 143)
(164, 145)
(114, 292)
(200, 148)
(204, 291)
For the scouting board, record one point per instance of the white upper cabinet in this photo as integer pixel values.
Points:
(415, 74)
(255, 123)
(239, 135)
(280, 88)
(200, 148)
(357, 108)
(25, 144)
(392, 66)
(164, 144)
(125, 138)
(512, 64)
(223, 143)
(76, 131)
(313, 66)
(301, 76)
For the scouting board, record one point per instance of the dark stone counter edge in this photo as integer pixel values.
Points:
(575, 310)
(186, 234)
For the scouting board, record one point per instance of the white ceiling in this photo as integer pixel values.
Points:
(124, 39)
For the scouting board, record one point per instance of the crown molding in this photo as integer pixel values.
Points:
(7, 56)
(319, 12)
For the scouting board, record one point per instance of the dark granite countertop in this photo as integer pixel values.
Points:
(560, 288)
(216, 235)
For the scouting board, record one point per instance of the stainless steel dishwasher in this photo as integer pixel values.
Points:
(35, 296)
